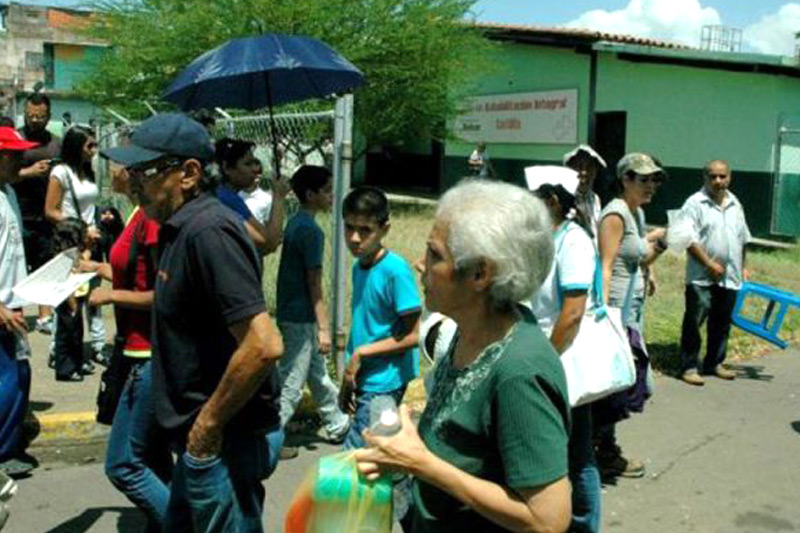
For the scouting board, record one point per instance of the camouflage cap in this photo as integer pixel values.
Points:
(638, 163)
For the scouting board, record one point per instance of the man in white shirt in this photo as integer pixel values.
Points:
(714, 272)
(15, 371)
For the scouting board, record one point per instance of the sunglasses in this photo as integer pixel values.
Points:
(657, 179)
(147, 173)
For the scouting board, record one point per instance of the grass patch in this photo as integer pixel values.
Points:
(664, 312)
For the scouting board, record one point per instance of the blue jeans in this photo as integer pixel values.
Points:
(584, 474)
(223, 493)
(15, 387)
(138, 458)
(302, 363)
(360, 422)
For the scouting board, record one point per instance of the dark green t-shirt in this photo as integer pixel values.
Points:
(504, 418)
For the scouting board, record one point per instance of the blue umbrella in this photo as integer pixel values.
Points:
(263, 71)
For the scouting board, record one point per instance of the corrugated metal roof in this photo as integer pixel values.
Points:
(580, 33)
(75, 5)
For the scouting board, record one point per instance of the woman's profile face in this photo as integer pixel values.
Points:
(443, 289)
(246, 171)
(641, 188)
(120, 180)
(89, 149)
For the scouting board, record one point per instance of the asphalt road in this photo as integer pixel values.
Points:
(722, 458)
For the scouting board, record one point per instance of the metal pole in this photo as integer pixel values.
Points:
(342, 169)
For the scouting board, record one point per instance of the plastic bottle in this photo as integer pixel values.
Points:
(384, 421)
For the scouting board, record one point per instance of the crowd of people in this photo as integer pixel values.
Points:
(211, 380)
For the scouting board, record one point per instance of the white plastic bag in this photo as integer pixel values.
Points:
(680, 232)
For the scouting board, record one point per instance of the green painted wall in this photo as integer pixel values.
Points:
(689, 115)
(518, 68)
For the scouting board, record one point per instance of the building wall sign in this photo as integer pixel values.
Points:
(543, 117)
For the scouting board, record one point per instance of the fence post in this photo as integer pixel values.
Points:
(342, 169)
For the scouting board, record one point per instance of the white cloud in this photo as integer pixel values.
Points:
(774, 33)
(673, 20)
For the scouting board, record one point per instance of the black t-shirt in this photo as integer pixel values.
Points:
(209, 277)
(32, 191)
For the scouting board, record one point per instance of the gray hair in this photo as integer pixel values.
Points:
(503, 224)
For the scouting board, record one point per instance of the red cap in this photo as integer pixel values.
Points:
(10, 139)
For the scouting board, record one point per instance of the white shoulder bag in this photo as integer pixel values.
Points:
(599, 362)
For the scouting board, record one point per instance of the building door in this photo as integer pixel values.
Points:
(609, 141)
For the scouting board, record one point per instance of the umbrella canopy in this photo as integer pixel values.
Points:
(263, 71)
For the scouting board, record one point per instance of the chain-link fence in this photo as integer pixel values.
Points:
(318, 138)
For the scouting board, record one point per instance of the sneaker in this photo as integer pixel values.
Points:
(44, 325)
(692, 378)
(724, 373)
(75, 376)
(87, 368)
(612, 464)
(100, 357)
(15, 468)
(8, 487)
(288, 452)
(336, 438)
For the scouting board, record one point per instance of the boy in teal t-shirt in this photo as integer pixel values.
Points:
(382, 355)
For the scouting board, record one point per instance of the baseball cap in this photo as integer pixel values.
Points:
(588, 150)
(172, 134)
(10, 139)
(638, 163)
(539, 175)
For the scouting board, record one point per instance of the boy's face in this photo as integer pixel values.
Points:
(322, 199)
(364, 235)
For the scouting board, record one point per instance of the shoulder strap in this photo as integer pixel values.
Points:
(72, 194)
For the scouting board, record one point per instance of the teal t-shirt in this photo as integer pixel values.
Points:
(303, 246)
(505, 418)
(382, 294)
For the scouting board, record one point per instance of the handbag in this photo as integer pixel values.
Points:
(599, 362)
(114, 377)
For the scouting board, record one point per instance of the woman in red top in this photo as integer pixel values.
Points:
(138, 462)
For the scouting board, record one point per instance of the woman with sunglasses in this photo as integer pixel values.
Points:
(138, 462)
(626, 251)
(72, 194)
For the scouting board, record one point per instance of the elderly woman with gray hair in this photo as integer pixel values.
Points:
(490, 452)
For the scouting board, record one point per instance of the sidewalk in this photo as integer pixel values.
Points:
(65, 411)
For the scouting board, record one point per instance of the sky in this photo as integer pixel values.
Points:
(768, 26)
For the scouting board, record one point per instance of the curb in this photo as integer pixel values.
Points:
(81, 427)
(67, 427)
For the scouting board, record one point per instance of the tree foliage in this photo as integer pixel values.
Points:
(417, 55)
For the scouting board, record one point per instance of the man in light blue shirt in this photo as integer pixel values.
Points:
(714, 272)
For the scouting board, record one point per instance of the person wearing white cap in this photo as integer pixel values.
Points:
(587, 163)
(559, 306)
(626, 250)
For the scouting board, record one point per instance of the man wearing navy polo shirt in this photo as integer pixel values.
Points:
(214, 345)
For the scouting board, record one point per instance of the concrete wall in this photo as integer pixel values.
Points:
(27, 29)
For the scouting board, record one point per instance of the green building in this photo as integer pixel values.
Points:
(546, 90)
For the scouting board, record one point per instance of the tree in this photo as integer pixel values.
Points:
(418, 56)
